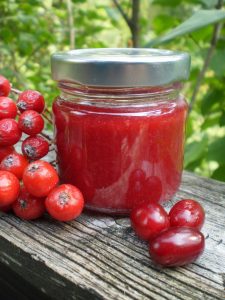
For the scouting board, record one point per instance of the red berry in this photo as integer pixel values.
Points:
(35, 147)
(177, 246)
(65, 202)
(9, 188)
(28, 207)
(31, 122)
(148, 220)
(40, 178)
(8, 108)
(6, 208)
(10, 133)
(187, 213)
(4, 86)
(31, 100)
(4, 151)
(14, 163)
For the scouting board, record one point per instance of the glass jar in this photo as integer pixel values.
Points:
(120, 124)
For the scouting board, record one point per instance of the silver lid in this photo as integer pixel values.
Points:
(120, 67)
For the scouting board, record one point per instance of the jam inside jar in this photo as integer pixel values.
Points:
(120, 145)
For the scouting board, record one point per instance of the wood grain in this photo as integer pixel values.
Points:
(99, 257)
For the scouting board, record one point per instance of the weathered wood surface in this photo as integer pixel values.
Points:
(99, 257)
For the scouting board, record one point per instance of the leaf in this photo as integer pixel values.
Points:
(195, 150)
(219, 173)
(216, 65)
(209, 3)
(189, 127)
(211, 120)
(212, 98)
(174, 2)
(198, 20)
(216, 151)
(222, 119)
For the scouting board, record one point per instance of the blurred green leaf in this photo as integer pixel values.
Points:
(216, 151)
(199, 19)
(212, 98)
(216, 63)
(209, 3)
(195, 150)
(211, 120)
(219, 173)
(222, 119)
(175, 2)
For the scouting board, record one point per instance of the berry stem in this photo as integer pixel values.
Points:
(47, 137)
(15, 91)
(53, 162)
(47, 118)
(47, 110)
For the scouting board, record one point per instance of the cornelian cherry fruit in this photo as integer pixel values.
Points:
(31, 100)
(35, 147)
(187, 212)
(9, 188)
(177, 246)
(40, 178)
(148, 220)
(10, 133)
(28, 207)
(8, 108)
(31, 122)
(4, 86)
(14, 163)
(4, 151)
(65, 202)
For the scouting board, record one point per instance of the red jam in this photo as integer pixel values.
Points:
(119, 124)
(120, 156)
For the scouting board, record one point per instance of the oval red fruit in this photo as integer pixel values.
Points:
(31, 100)
(65, 202)
(10, 133)
(187, 212)
(35, 147)
(4, 151)
(28, 207)
(31, 122)
(14, 163)
(40, 178)
(8, 108)
(9, 188)
(177, 246)
(4, 86)
(148, 220)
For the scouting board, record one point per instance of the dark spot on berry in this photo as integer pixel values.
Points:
(30, 151)
(9, 161)
(22, 105)
(63, 198)
(33, 168)
(27, 122)
(23, 203)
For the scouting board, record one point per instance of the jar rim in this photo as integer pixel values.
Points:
(120, 67)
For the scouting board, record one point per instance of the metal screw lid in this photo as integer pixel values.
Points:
(120, 67)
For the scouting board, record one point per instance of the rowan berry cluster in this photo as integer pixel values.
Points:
(29, 185)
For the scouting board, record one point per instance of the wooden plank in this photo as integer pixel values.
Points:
(99, 257)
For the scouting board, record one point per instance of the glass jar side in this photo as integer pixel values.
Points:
(121, 152)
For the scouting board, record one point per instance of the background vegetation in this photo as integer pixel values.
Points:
(31, 30)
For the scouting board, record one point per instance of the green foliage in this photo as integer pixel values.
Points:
(30, 31)
(199, 19)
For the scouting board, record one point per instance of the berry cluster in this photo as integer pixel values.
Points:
(28, 185)
(175, 238)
